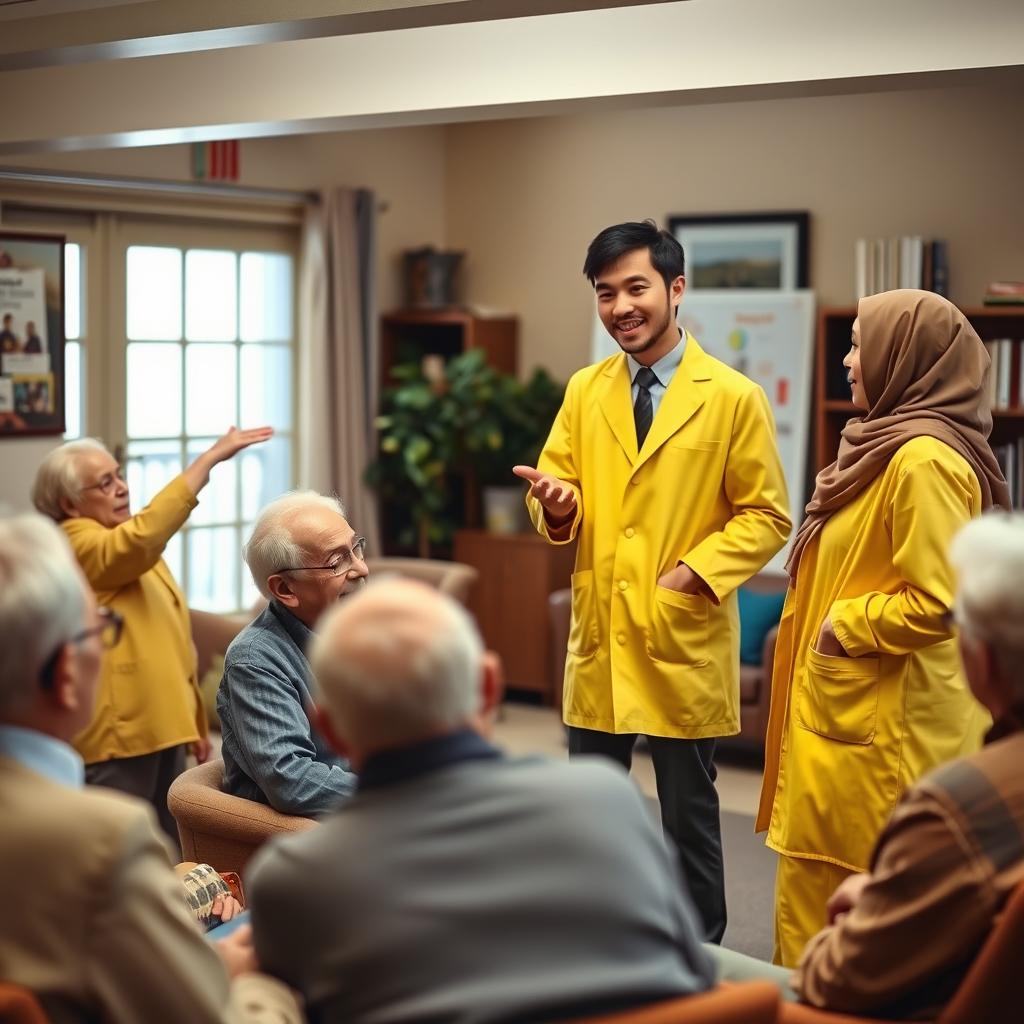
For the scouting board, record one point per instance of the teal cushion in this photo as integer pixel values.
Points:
(758, 614)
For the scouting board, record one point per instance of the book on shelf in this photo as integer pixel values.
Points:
(1006, 378)
(882, 264)
(1004, 293)
(1010, 457)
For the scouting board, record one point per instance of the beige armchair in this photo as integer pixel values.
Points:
(217, 828)
(451, 578)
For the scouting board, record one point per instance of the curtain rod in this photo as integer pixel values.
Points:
(186, 188)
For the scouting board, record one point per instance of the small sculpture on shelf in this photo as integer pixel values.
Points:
(430, 277)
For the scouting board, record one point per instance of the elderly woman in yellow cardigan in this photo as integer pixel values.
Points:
(148, 712)
(868, 692)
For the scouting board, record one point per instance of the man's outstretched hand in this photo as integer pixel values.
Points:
(556, 496)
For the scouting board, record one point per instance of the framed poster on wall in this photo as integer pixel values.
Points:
(31, 334)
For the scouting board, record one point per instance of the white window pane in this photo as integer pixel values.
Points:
(154, 390)
(214, 554)
(73, 291)
(266, 296)
(151, 466)
(266, 474)
(72, 390)
(218, 500)
(154, 293)
(211, 389)
(211, 295)
(250, 592)
(266, 386)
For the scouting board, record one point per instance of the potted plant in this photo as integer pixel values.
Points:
(446, 430)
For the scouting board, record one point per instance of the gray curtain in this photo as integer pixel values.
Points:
(338, 353)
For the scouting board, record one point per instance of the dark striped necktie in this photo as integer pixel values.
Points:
(643, 410)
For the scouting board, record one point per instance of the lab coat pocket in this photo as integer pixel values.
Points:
(583, 637)
(839, 697)
(679, 627)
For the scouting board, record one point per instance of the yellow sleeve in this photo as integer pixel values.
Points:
(112, 558)
(931, 501)
(756, 489)
(558, 459)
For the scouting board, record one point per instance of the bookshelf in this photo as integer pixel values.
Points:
(1001, 328)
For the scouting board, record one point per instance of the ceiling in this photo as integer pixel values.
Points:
(91, 74)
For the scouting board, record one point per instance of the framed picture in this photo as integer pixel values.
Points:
(746, 250)
(31, 334)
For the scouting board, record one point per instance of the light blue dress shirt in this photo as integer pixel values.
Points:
(42, 754)
(664, 369)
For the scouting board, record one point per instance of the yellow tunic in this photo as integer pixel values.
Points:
(148, 697)
(707, 488)
(847, 735)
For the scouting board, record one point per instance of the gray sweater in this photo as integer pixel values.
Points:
(271, 752)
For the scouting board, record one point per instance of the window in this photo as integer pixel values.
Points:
(209, 344)
(74, 334)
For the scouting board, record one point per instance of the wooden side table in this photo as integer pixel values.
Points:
(510, 601)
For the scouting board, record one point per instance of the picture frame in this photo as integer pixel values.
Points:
(744, 250)
(31, 334)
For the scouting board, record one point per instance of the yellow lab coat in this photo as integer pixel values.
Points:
(847, 735)
(148, 697)
(706, 489)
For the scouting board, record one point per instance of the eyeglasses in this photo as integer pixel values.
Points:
(342, 564)
(108, 630)
(107, 483)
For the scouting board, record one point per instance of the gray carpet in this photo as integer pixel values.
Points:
(749, 887)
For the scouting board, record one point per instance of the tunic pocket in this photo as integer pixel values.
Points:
(839, 697)
(679, 627)
(583, 627)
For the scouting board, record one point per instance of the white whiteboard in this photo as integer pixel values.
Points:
(769, 337)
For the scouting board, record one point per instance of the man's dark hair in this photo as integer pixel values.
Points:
(613, 243)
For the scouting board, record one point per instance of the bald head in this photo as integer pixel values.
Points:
(397, 663)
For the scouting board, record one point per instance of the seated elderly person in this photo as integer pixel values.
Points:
(902, 936)
(94, 920)
(149, 712)
(459, 884)
(303, 557)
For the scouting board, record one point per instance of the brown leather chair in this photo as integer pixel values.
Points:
(218, 829)
(749, 1002)
(989, 993)
(19, 1006)
(755, 680)
(452, 578)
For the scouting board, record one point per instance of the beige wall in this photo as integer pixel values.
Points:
(525, 197)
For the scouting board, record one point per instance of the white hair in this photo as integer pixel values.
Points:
(57, 478)
(42, 603)
(397, 662)
(988, 555)
(272, 547)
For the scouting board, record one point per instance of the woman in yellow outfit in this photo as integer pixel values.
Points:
(148, 711)
(867, 691)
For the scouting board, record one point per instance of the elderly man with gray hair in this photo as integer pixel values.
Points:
(458, 884)
(94, 923)
(303, 556)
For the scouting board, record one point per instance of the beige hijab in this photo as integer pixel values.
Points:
(925, 372)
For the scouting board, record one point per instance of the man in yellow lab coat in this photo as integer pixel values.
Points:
(662, 464)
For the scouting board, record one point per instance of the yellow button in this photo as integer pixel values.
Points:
(621, 638)
(635, 481)
(623, 584)
(630, 531)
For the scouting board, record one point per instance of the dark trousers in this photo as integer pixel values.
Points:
(148, 777)
(684, 771)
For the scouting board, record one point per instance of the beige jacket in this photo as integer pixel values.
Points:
(94, 920)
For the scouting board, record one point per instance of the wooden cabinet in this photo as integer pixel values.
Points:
(510, 601)
(832, 393)
(408, 335)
